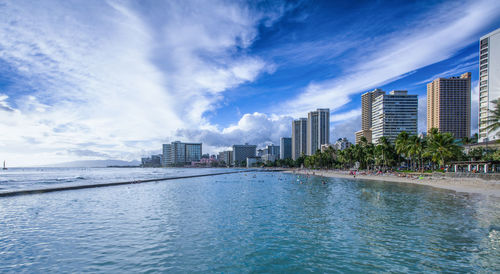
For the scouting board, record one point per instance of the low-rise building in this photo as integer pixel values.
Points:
(253, 161)
(226, 157)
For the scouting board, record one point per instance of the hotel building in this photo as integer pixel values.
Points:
(448, 105)
(366, 115)
(178, 153)
(393, 113)
(285, 148)
(318, 129)
(489, 82)
(242, 152)
(299, 138)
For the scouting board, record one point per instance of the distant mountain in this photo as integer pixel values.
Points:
(95, 163)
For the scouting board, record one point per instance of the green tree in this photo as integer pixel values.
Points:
(385, 152)
(441, 147)
(416, 149)
(493, 120)
(402, 142)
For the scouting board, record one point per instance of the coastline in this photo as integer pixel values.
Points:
(469, 185)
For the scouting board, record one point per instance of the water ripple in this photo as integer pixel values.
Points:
(237, 223)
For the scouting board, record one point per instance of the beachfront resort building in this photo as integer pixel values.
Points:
(448, 105)
(489, 82)
(393, 113)
(318, 129)
(366, 115)
(285, 148)
(178, 153)
(242, 152)
(299, 138)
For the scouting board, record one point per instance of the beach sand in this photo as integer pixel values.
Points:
(469, 185)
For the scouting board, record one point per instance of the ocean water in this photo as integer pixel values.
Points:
(15, 179)
(248, 222)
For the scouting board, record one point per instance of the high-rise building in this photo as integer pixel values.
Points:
(299, 138)
(273, 150)
(363, 133)
(178, 153)
(285, 148)
(366, 114)
(448, 105)
(489, 82)
(318, 129)
(165, 158)
(393, 113)
(241, 152)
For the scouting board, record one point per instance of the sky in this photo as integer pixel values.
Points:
(82, 80)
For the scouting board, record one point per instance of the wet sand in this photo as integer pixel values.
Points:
(470, 185)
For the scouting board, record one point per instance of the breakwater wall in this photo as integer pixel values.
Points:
(64, 188)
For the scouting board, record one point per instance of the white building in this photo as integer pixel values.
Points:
(253, 161)
(489, 81)
(393, 113)
(299, 138)
(318, 129)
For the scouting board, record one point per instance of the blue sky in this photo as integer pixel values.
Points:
(116, 79)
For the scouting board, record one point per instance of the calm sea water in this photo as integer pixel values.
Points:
(254, 222)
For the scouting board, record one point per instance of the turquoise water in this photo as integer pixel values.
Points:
(238, 223)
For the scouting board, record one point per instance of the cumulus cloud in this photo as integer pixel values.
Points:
(345, 128)
(114, 72)
(118, 78)
(256, 128)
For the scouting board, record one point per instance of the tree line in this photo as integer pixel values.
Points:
(411, 152)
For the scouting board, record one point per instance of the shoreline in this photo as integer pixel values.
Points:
(468, 185)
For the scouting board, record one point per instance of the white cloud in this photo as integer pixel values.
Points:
(439, 37)
(339, 117)
(4, 106)
(256, 128)
(107, 75)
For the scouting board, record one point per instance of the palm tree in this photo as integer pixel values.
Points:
(402, 142)
(369, 155)
(416, 148)
(466, 140)
(441, 147)
(385, 150)
(493, 120)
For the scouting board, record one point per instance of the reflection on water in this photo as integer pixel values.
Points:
(238, 223)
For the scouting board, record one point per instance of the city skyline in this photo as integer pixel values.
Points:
(77, 84)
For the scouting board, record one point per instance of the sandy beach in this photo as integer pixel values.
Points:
(470, 185)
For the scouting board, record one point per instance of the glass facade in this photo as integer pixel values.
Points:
(178, 153)
(285, 148)
(394, 113)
